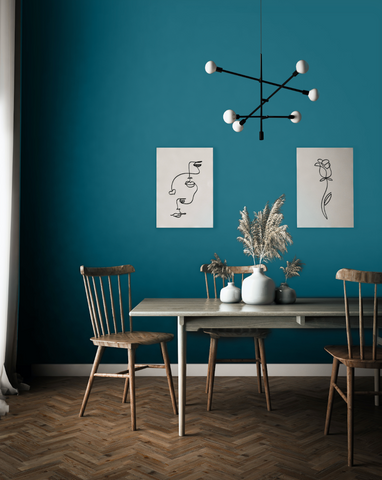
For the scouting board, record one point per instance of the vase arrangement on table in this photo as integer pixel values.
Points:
(284, 293)
(264, 238)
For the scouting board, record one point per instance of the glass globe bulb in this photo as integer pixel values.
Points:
(229, 116)
(297, 117)
(313, 94)
(210, 67)
(237, 126)
(302, 66)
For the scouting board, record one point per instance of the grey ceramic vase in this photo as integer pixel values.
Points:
(284, 294)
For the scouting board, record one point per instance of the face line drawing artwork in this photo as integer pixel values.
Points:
(325, 171)
(189, 183)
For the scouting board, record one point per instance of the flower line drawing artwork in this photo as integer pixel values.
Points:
(185, 197)
(325, 171)
(325, 190)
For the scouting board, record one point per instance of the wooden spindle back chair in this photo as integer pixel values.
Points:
(112, 327)
(354, 356)
(101, 298)
(215, 334)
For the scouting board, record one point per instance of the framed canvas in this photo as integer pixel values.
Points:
(184, 187)
(325, 188)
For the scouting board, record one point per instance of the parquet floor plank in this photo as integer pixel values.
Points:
(43, 438)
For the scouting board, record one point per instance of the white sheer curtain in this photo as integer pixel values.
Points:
(9, 194)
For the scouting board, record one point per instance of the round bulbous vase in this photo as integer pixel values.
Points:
(258, 289)
(284, 294)
(230, 293)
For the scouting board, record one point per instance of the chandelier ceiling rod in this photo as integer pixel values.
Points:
(231, 117)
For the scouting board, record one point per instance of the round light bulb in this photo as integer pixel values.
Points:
(302, 66)
(210, 67)
(229, 116)
(313, 94)
(237, 126)
(297, 117)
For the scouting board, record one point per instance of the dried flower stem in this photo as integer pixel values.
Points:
(219, 268)
(293, 268)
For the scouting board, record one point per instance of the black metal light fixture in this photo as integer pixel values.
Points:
(237, 120)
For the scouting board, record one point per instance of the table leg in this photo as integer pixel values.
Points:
(182, 373)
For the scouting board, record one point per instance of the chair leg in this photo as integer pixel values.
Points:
(350, 395)
(333, 380)
(125, 390)
(376, 385)
(257, 356)
(96, 363)
(131, 355)
(169, 376)
(211, 368)
(208, 367)
(265, 374)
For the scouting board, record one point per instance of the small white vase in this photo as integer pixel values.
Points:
(258, 289)
(230, 293)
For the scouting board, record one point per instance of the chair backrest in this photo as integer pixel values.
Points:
(235, 270)
(361, 277)
(101, 303)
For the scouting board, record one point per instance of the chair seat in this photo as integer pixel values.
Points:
(123, 340)
(341, 353)
(237, 332)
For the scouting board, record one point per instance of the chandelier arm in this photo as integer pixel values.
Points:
(304, 92)
(294, 74)
(265, 117)
(282, 86)
(279, 116)
(218, 69)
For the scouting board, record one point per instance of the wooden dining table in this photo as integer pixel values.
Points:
(194, 314)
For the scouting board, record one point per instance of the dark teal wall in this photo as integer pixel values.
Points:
(106, 82)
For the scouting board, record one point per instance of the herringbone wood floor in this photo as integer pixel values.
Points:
(43, 438)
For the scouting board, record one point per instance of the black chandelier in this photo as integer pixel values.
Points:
(237, 120)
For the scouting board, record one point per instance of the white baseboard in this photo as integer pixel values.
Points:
(200, 370)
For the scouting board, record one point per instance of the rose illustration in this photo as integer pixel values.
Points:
(325, 171)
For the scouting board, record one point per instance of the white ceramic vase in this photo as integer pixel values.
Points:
(230, 293)
(258, 289)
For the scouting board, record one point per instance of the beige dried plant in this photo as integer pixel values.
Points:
(264, 237)
(219, 268)
(293, 268)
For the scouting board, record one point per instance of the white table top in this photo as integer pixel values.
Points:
(197, 307)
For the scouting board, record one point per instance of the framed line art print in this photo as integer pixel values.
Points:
(325, 188)
(184, 188)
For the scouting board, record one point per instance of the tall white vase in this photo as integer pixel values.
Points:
(258, 289)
